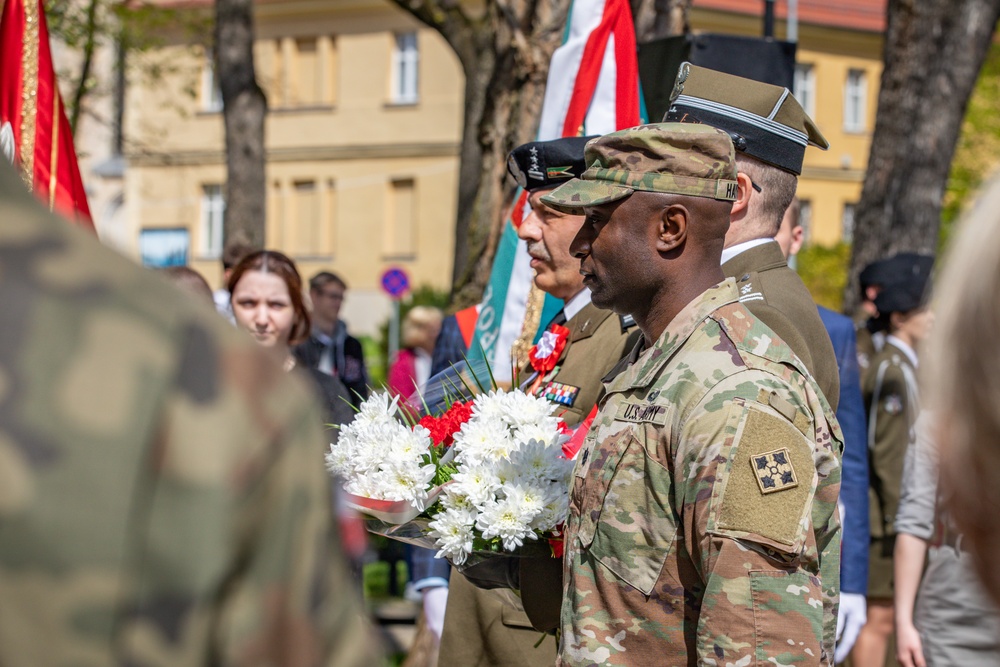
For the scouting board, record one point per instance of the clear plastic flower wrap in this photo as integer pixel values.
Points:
(486, 476)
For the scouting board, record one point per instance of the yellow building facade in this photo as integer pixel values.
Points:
(362, 137)
(363, 131)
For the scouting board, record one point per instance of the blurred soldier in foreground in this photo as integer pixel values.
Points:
(965, 389)
(163, 499)
(770, 132)
(490, 627)
(703, 526)
(854, 480)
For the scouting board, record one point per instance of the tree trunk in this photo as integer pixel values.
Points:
(505, 51)
(933, 52)
(655, 19)
(244, 108)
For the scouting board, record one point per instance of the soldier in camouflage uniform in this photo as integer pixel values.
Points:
(163, 499)
(703, 525)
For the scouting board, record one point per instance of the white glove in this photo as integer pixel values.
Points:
(435, 601)
(852, 617)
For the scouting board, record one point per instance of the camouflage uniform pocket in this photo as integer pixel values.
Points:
(792, 602)
(636, 528)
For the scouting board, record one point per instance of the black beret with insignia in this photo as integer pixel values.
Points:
(546, 164)
(764, 121)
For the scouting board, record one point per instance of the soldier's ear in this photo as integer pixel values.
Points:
(673, 228)
(744, 190)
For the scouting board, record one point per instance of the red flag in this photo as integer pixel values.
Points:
(30, 103)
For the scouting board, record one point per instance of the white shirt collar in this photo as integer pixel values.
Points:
(910, 353)
(733, 250)
(577, 303)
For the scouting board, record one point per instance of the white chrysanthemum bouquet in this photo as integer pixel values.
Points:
(482, 478)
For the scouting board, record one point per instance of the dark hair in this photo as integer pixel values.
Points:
(234, 252)
(324, 278)
(188, 279)
(272, 261)
(777, 191)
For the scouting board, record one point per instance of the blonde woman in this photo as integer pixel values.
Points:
(963, 384)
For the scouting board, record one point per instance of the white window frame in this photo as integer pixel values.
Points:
(805, 87)
(405, 78)
(805, 219)
(211, 94)
(213, 207)
(848, 220)
(855, 100)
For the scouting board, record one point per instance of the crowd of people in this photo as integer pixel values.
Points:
(761, 480)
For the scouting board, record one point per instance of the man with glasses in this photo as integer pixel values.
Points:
(330, 349)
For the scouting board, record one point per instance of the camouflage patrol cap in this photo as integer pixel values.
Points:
(764, 121)
(672, 158)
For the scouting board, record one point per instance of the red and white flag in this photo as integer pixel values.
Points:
(33, 124)
(592, 88)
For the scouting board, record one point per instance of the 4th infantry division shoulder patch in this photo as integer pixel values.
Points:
(774, 471)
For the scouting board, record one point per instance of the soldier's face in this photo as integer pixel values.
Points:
(548, 233)
(262, 306)
(613, 248)
(915, 325)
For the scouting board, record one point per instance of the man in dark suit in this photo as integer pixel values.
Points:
(854, 479)
(770, 132)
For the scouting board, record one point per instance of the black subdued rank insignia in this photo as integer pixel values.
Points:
(563, 394)
(774, 471)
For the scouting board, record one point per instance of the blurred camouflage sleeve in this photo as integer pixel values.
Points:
(284, 595)
(746, 518)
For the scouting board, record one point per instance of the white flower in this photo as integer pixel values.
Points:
(481, 441)
(478, 484)
(404, 480)
(543, 461)
(508, 521)
(554, 510)
(452, 530)
(525, 410)
(379, 408)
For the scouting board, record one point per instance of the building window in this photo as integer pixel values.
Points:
(211, 94)
(855, 100)
(847, 223)
(399, 239)
(212, 208)
(405, 63)
(805, 219)
(306, 217)
(306, 86)
(805, 87)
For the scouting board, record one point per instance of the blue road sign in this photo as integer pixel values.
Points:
(395, 282)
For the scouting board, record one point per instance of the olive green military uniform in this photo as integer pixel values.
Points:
(489, 627)
(869, 344)
(703, 526)
(776, 294)
(163, 499)
(892, 401)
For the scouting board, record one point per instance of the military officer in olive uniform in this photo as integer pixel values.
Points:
(489, 627)
(893, 403)
(770, 132)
